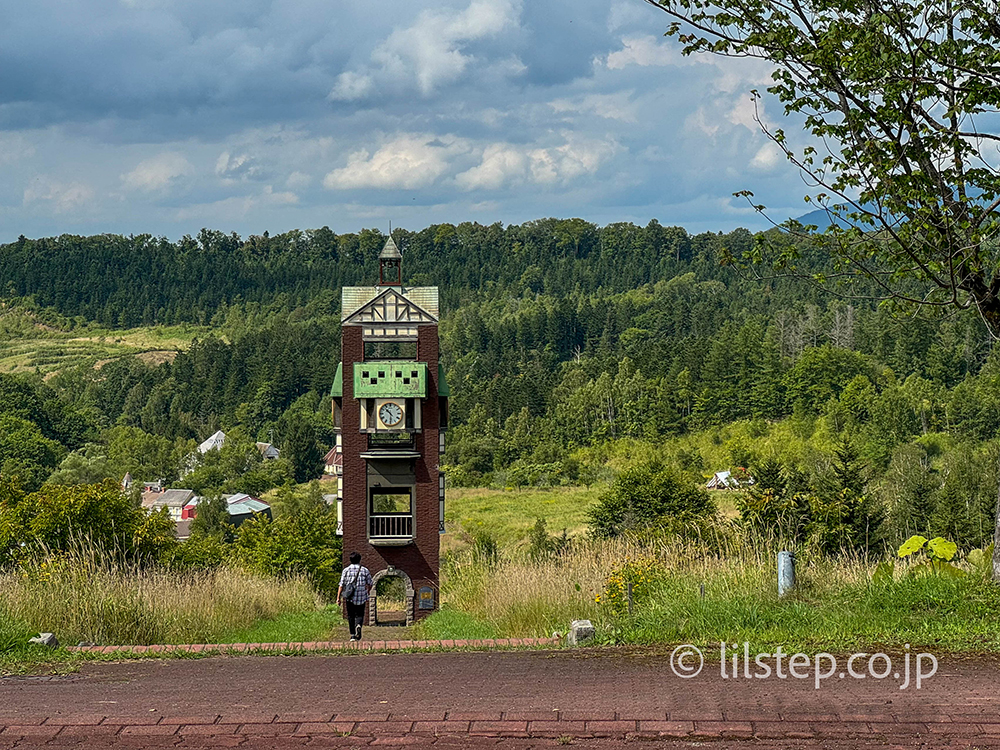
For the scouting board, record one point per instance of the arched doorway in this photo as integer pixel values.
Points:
(391, 601)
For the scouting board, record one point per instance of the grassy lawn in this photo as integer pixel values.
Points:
(509, 515)
(291, 627)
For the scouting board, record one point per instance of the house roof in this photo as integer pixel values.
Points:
(215, 441)
(353, 298)
(182, 528)
(267, 450)
(239, 497)
(390, 251)
(245, 507)
(722, 479)
(167, 499)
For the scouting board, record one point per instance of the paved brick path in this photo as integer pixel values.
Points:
(381, 645)
(600, 698)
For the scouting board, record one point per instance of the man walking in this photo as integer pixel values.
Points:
(355, 584)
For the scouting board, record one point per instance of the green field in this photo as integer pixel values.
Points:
(28, 345)
(509, 515)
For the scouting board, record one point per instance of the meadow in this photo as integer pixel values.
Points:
(698, 591)
(508, 515)
(683, 593)
(86, 597)
(31, 343)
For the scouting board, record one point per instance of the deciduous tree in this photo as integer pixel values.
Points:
(898, 95)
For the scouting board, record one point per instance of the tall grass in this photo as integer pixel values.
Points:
(836, 605)
(84, 596)
(515, 596)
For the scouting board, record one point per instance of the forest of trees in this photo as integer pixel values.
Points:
(557, 335)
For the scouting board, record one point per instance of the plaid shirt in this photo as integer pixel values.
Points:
(364, 582)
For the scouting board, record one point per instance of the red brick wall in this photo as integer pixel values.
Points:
(420, 561)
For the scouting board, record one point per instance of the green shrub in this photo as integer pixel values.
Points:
(542, 545)
(647, 496)
(303, 543)
(56, 517)
(485, 549)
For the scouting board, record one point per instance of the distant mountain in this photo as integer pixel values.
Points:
(821, 219)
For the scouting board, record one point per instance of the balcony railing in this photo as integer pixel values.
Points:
(390, 526)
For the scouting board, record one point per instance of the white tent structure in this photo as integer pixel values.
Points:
(723, 480)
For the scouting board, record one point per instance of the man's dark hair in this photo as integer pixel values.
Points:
(355, 558)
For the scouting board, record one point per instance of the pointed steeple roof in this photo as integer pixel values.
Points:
(390, 250)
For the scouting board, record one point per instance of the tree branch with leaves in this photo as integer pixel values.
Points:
(900, 96)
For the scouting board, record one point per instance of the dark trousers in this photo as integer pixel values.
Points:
(355, 618)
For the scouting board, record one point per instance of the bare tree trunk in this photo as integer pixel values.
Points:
(996, 532)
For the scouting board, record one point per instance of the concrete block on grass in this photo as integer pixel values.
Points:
(580, 632)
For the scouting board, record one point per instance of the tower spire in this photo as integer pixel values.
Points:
(390, 264)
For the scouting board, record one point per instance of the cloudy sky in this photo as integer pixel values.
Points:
(166, 116)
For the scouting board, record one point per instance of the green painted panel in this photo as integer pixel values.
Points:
(443, 389)
(390, 379)
(337, 389)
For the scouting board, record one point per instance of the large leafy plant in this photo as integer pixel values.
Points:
(937, 552)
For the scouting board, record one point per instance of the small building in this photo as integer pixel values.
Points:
(214, 442)
(723, 480)
(333, 461)
(241, 506)
(173, 500)
(190, 510)
(244, 510)
(268, 452)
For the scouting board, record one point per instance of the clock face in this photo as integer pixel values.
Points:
(391, 414)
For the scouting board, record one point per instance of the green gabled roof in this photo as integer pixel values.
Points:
(443, 389)
(337, 389)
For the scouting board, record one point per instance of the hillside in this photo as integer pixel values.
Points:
(562, 342)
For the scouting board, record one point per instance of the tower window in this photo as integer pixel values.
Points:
(390, 500)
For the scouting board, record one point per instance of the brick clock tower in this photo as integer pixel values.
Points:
(390, 410)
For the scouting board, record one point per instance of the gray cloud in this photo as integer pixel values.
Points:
(166, 115)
